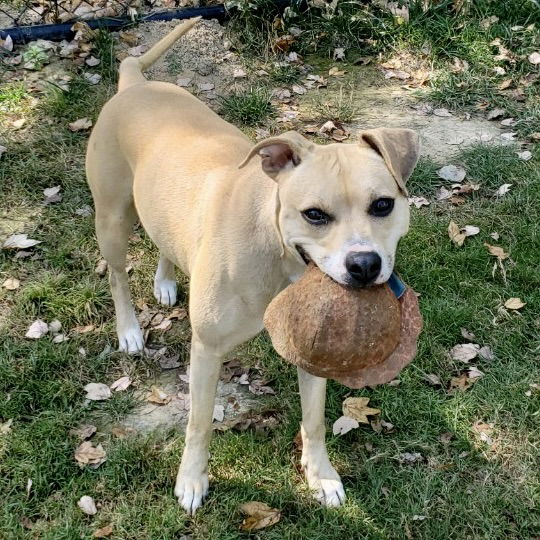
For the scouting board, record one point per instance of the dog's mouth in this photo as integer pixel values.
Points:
(302, 252)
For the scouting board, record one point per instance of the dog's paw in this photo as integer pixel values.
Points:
(131, 341)
(329, 493)
(165, 292)
(190, 490)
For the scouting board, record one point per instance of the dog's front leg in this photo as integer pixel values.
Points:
(322, 478)
(192, 480)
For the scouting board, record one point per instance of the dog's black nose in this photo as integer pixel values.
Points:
(363, 266)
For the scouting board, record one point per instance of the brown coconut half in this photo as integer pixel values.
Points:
(359, 337)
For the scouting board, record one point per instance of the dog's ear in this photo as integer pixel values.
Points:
(400, 149)
(280, 153)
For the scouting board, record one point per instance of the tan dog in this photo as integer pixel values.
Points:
(241, 234)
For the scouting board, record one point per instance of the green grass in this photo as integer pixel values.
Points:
(464, 488)
(248, 108)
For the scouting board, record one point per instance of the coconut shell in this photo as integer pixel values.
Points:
(359, 337)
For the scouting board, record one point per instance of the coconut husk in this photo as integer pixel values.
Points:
(359, 337)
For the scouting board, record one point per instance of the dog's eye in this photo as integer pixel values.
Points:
(315, 216)
(381, 207)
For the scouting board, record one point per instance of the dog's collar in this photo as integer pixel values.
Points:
(397, 286)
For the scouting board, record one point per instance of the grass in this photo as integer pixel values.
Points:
(248, 107)
(463, 488)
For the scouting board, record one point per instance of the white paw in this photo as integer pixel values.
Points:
(329, 493)
(165, 292)
(131, 340)
(190, 490)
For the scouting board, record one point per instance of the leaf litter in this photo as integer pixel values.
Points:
(258, 516)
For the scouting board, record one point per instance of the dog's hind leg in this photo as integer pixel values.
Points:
(165, 282)
(113, 227)
(321, 476)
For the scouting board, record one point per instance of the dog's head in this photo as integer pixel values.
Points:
(343, 206)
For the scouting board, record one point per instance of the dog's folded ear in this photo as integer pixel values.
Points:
(280, 153)
(400, 149)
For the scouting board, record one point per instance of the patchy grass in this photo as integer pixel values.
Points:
(248, 108)
(463, 486)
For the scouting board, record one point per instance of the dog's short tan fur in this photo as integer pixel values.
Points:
(159, 154)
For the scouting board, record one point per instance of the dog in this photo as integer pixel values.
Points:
(242, 221)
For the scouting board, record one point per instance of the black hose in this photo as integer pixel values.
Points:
(22, 34)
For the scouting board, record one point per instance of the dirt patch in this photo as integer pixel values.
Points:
(201, 61)
(233, 399)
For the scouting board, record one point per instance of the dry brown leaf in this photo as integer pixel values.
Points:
(464, 352)
(121, 384)
(37, 329)
(505, 84)
(452, 173)
(19, 241)
(104, 532)
(514, 303)
(432, 379)
(89, 455)
(80, 124)
(461, 383)
(84, 329)
(259, 516)
(97, 391)
(158, 396)
(357, 408)
(497, 251)
(344, 424)
(455, 234)
(83, 432)
(87, 505)
(336, 72)
(11, 284)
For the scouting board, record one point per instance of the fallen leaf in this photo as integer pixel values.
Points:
(475, 373)
(432, 379)
(418, 201)
(103, 532)
(184, 81)
(494, 235)
(410, 457)
(138, 50)
(357, 408)
(452, 173)
(5, 428)
(84, 329)
(514, 303)
(87, 505)
(534, 58)
(29, 483)
(19, 241)
(18, 124)
(37, 329)
(83, 432)
(499, 70)
(443, 194)
(508, 122)
(464, 352)
(467, 335)
(206, 87)
(92, 61)
(177, 313)
(455, 234)
(344, 424)
(97, 391)
(11, 284)
(219, 413)
(60, 338)
(497, 251)
(89, 455)
(259, 516)
(495, 113)
(470, 230)
(396, 74)
(121, 384)
(101, 268)
(339, 53)
(486, 353)
(503, 85)
(80, 124)
(239, 73)
(158, 396)
(442, 113)
(299, 89)
(446, 437)
(525, 155)
(508, 136)
(336, 72)
(164, 325)
(503, 190)
(461, 383)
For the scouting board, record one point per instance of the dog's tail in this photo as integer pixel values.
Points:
(131, 68)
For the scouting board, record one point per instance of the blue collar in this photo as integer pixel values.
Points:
(397, 286)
